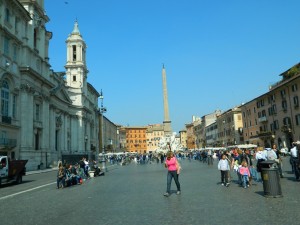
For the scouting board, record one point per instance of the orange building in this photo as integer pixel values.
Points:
(136, 139)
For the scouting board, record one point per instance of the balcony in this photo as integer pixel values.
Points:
(6, 119)
(262, 119)
(7, 143)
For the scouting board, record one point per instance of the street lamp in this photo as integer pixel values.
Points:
(102, 110)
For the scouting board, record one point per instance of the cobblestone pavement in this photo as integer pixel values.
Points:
(133, 194)
(138, 198)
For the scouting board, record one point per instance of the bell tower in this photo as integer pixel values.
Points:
(76, 70)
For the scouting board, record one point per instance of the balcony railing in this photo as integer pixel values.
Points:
(8, 143)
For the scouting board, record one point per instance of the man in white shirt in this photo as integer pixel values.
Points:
(295, 160)
(271, 153)
(260, 156)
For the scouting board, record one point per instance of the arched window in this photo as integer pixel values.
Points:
(4, 98)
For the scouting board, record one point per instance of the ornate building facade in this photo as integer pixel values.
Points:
(45, 116)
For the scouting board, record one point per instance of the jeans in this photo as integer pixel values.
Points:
(172, 174)
(254, 174)
(245, 180)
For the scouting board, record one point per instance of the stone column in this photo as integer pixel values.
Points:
(167, 122)
(26, 108)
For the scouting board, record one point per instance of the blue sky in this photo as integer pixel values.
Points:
(217, 53)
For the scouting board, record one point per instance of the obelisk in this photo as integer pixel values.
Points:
(166, 122)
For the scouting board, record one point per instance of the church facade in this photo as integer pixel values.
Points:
(45, 116)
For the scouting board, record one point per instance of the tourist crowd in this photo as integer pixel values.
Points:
(68, 174)
(247, 165)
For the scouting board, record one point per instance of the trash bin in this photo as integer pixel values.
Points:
(271, 179)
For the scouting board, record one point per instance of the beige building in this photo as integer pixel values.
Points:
(230, 126)
(197, 126)
(274, 117)
(211, 134)
(154, 135)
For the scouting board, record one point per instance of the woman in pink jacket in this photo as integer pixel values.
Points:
(172, 165)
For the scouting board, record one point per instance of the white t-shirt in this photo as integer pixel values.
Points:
(271, 155)
(294, 152)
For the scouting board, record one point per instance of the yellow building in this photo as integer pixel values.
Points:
(154, 134)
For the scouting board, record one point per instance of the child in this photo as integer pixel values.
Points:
(223, 166)
(245, 173)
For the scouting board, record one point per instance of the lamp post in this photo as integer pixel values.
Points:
(102, 110)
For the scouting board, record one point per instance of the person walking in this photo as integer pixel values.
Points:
(260, 157)
(224, 167)
(295, 160)
(172, 165)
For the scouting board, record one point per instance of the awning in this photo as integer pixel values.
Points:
(243, 146)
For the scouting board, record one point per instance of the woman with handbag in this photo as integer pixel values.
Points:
(172, 165)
